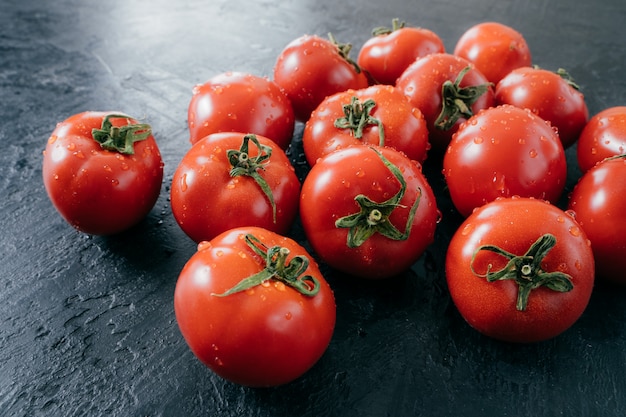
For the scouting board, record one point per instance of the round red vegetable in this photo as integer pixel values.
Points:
(102, 171)
(520, 270)
(253, 307)
(602, 137)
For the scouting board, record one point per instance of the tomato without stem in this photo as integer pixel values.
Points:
(390, 51)
(520, 270)
(240, 102)
(600, 207)
(603, 136)
(102, 171)
(310, 68)
(377, 115)
(448, 90)
(253, 307)
(368, 211)
(551, 95)
(228, 180)
(501, 152)
(496, 49)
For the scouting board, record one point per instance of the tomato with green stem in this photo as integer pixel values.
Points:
(253, 307)
(231, 179)
(603, 136)
(103, 171)
(368, 211)
(520, 270)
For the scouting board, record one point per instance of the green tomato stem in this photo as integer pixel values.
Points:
(120, 138)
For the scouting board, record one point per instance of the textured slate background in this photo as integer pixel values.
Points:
(87, 325)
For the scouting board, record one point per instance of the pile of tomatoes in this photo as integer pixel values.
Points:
(519, 268)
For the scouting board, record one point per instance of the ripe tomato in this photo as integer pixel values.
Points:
(448, 90)
(254, 308)
(368, 211)
(239, 102)
(602, 137)
(551, 95)
(501, 152)
(520, 270)
(310, 68)
(600, 207)
(389, 52)
(496, 49)
(102, 171)
(378, 115)
(228, 180)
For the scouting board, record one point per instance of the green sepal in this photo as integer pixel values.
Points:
(120, 138)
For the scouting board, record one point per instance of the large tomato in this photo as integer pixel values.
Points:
(501, 152)
(448, 90)
(600, 207)
(520, 270)
(240, 102)
(496, 49)
(551, 95)
(390, 51)
(377, 115)
(310, 68)
(102, 171)
(254, 308)
(368, 211)
(228, 180)
(602, 137)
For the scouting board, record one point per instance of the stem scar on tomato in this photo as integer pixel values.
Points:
(120, 138)
(242, 164)
(374, 217)
(277, 267)
(357, 118)
(526, 270)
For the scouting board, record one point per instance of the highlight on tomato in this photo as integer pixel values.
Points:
(603, 136)
(102, 171)
(254, 307)
(504, 151)
(520, 270)
(232, 179)
(368, 211)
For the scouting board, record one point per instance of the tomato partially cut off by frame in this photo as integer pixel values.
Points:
(267, 334)
(603, 136)
(520, 270)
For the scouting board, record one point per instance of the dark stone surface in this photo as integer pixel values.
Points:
(87, 325)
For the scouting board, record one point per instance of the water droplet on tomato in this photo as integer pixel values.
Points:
(79, 154)
(52, 139)
(219, 253)
(115, 181)
(71, 146)
(280, 286)
(571, 213)
(288, 315)
(215, 347)
(360, 173)
(478, 140)
(439, 217)
(203, 245)
(218, 362)
(578, 265)
(560, 219)
(183, 183)
(532, 153)
(467, 229)
(265, 284)
(574, 231)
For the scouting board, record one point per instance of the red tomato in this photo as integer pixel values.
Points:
(520, 270)
(600, 207)
(496, 49)
(602, 137)
(368, 211)
(448, 90)
(551, 95)
(311, 68)
(239, 102)
(378, 115)
(227, 180)
(102, 171)
(501, 152)
(254, 308)
(389, 52)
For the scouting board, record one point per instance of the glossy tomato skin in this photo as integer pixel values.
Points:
(600, 207)
(267, 335)
(514, 224)
(422, 83)
(496, 49)
(310, 68)
(504, 151)
(386, 56)
(206, 200)
(603, 136)
(328, 194)
(240, 102)
(404, 125)
(550, 96)
(98, 191)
